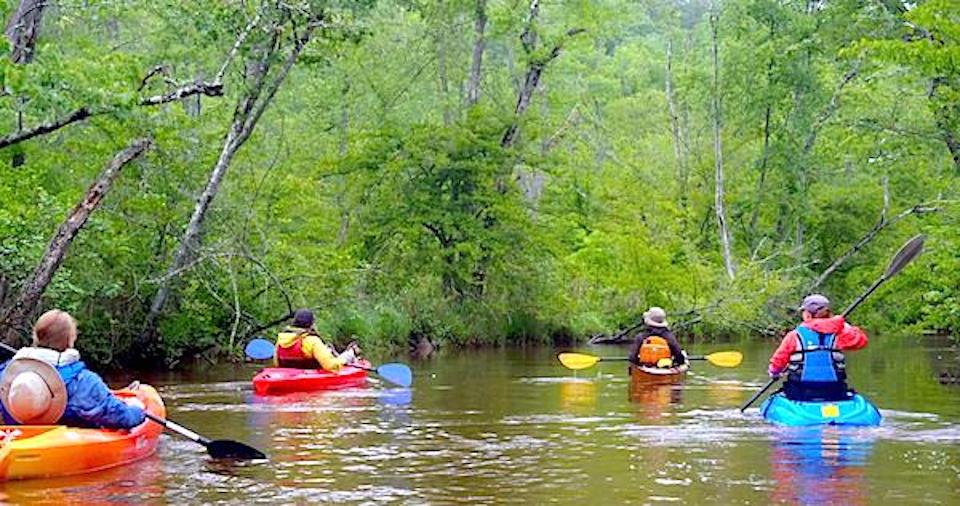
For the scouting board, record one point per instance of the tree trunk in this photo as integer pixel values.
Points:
(678, 147)
(942, 113)
(442, 76)
(16, 321)
(257, 97)
(22, 32)
(762, 177)
(24, 28)
(473, 84)
(535, 69)
(725, 235)
(882, 223)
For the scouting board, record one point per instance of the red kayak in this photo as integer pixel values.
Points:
(283, 380)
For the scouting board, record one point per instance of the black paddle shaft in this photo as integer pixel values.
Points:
(218, 449)
(758, 394)
(904, 256)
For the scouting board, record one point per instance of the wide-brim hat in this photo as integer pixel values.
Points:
(655, 317)
(33, 392)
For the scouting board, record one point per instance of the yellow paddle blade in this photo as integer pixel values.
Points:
(577, 360)
(725, 358)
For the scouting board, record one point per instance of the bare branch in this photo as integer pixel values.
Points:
(14, 321)
(45, 128)
(214, 89)
(831, 107)
(236, 47)
(918, 209)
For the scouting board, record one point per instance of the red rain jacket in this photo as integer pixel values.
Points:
(848, 337)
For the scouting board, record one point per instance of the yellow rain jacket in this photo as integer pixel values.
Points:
(300, 348)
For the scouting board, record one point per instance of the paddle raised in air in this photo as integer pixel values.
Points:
(396, 373)
(910, 250)
(578, 361)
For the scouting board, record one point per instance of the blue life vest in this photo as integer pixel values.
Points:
(817, 359)
(817, 371)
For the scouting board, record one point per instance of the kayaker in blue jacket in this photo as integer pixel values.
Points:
(25, 399)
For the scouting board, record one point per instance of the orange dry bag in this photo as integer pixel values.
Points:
(652, 350)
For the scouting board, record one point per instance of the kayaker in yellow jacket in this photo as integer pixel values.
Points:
(299, 346)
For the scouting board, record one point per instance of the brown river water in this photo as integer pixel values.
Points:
(512, 426)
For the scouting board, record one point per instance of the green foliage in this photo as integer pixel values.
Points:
(372, 192)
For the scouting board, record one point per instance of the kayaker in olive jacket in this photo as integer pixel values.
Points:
(299, 346)
(648, 345)
(47, 384)
(812, 354)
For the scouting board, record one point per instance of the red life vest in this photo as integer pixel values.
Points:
(292, 356)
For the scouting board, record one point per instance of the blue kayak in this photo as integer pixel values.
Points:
(856, 411)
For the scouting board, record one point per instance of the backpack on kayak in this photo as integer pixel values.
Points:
(817, 371)
(653, 350)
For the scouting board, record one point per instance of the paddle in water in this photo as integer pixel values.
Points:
(396, 373)
(910, 250)
(217, 448)
(578, 361)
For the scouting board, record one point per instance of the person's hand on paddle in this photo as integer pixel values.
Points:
(135, 402)
(774, 374)
(352, 353)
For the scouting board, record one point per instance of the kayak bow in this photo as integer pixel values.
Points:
(46, 451)
(283, 380)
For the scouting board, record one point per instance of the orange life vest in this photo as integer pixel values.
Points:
(653, 349)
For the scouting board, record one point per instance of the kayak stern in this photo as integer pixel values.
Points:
(856, 411)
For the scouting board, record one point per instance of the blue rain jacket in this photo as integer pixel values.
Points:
(90, 404)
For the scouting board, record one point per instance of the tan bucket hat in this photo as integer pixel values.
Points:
(655, 317)
(33, 392)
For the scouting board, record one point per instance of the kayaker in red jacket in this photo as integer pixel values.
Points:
(299, 346)
(811, 354)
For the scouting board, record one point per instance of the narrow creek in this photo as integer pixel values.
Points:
(513, 426)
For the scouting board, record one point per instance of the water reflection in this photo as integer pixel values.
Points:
(142, 483)
(655, 397)
(396, 396)
(578, 396)
(820, 465)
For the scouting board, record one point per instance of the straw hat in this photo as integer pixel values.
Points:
(33, 392)
(655, 317)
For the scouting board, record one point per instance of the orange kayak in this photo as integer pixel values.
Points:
(46, 451)
(658, 374)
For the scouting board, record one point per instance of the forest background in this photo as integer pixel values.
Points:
(182, 175)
